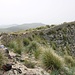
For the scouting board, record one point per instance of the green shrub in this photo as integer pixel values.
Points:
(53, 44)
(71, 71)
(32, 47)
(30, 38)
(26, 41)
(48, 26)
(12, 44)
(51, 32)
(17, 50)
(37, 53)
(51, 59)
(64, 30)
(68, 49)
(42, 27)
(69, 60)
(65, 38)
(1, 59)
(17, 46)
(29, 64)
(41, 33)
(55, 72)
(33, 35)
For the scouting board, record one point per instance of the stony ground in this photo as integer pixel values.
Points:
(21, 69)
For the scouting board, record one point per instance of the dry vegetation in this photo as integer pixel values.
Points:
(51, 48)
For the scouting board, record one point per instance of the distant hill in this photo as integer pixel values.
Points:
(21, 27)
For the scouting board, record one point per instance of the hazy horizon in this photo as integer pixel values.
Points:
(36, 11)
(12, 25)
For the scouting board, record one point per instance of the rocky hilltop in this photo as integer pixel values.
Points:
(60, 36)
(29, 44)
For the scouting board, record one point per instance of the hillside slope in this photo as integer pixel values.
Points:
(54, 45)
(61, 36)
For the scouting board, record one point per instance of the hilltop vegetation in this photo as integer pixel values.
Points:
(52, 47)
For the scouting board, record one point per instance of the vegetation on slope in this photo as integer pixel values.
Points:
(52, 46)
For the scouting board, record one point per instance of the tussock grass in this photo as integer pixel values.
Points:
(69, 60)
(3, 59)
(51, 60)
(29, 64)
(17, 46)
(12, 44)
(26, 41)
(32, 47)
(37, 53)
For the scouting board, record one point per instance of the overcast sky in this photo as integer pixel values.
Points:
(36, 11)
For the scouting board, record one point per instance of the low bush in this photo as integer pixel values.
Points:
(69, 60)
(32, 47)
(26, 41)
(37, 53)
(12, 44)
(29, 64)
(51, 60)
(1, 59)
(53, 44)
(17, 46)
(17, 50)
(41, 33)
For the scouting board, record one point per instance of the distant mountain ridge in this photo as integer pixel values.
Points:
(21, 27)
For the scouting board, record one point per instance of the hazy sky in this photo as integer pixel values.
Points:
(36, 11)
